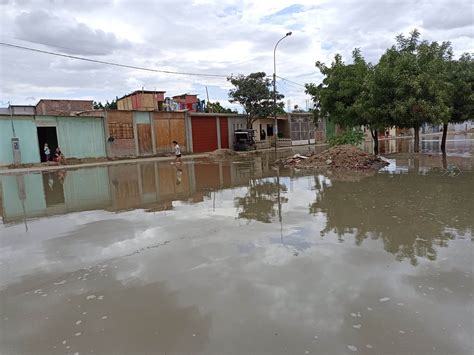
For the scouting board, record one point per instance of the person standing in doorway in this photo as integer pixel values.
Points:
(177, 152)
(46, 151)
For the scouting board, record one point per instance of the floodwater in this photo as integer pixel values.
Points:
(234, 257)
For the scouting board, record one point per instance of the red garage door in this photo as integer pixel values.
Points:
(224, 133)
(204, 134)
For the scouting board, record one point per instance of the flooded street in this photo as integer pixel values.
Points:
(236, 257)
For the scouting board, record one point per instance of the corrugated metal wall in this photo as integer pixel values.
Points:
(204, 134)
(81, 137)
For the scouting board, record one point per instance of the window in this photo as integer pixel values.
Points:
(121, 130)
(269, 130)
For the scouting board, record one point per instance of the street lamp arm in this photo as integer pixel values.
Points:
(274, 50)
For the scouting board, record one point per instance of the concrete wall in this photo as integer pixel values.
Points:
(25, 130)
(264, 122)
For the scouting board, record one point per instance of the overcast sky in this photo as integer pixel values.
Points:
(202, 36)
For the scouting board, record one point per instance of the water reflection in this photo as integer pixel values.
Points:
(234, 257)
(410, 213)
(262, 201)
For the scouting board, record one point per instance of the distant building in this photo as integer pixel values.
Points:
(25, 110)
(142, 100)
(63, 107)
(186, 102)
(461, 127)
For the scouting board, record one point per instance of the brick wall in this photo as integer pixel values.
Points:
(63, 107)
(119, 124)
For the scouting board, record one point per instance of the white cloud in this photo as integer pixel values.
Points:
(222, 37)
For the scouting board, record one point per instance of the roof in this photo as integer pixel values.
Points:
(142, 92)
(74, 100)
(184, 95)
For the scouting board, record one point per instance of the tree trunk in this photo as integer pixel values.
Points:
(375, 137)
(444, 161)
(443, 140)
(416, 146)
(249, 124)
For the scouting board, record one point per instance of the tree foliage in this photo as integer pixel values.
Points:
(415, 82)
(108, 105)
(414, 75)
(254, 92)
(216, 107)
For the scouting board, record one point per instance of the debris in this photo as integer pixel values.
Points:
(343, 157)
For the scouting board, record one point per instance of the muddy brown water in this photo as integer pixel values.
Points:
(234, 257)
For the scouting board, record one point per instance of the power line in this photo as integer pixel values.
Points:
(290, 81)
(110, 63)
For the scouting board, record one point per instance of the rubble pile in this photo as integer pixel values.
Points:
(342, 157)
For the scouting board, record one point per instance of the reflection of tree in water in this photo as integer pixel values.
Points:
(260, 200)
(410, 213)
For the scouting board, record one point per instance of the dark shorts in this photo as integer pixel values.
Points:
(178, 155)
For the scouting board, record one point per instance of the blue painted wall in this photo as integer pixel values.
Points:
(81, 137)
(25, 130)
(141, 117)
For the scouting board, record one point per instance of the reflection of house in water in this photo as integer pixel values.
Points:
(149, 186)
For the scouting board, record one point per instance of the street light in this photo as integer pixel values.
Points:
(275, 123)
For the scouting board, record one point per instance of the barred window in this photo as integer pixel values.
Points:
(121, 130)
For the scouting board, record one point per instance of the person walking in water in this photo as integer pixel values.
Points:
(177, 152)
(46, 151)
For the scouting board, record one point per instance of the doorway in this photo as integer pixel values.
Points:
(47, 135)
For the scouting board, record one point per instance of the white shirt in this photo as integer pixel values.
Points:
(177, 150)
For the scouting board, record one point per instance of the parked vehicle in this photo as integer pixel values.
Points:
(244, 139)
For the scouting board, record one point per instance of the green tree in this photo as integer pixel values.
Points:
(254, 92)
(216, 107)
(108, 105)
(98, 105)
(414, 83)
(111, 105)
(460, 77)
(345, 95)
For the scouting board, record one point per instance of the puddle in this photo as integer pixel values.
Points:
(237, 258)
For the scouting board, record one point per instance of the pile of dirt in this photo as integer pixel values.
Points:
(222, 153)
(342, 157)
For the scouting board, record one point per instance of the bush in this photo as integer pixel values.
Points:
(354, 137)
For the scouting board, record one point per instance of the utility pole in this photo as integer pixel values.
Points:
(207, 94)
(275, 122)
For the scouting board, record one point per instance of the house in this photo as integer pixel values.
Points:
(295, 128)
(23, 134)
(142, 100)
(186, 102)
(133, 133)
